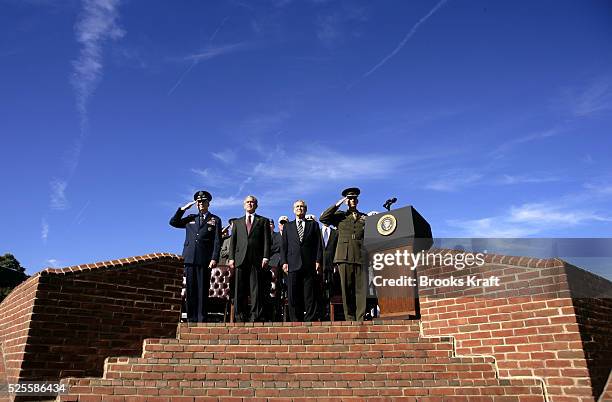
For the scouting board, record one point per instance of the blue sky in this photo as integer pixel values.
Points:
(491, 118)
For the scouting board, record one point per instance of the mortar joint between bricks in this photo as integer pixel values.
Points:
(495, 365)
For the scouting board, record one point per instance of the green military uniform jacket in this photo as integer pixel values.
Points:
(350, 234)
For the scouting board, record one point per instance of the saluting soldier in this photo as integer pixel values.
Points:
(348, 255)
(200, 252)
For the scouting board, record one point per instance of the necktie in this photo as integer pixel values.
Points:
(300, 229)
(325, 236)
(249, 223)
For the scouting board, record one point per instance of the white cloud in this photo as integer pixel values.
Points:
(536, 136)
(223, 202)
(591, 99)
(58, 195)
(454, 181)
(264, 123)
(489, 227)
(278, 175)
(53, 263)
(324, 164)
(548, 214)
(527, 220)
(599, 188)
(44, 231)
(509, 179)
(97, 23)
(333, 29)
(228, 156)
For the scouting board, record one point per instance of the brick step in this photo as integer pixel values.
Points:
(297, 380)
(274, 356)
(167, 348)
(378, 360)
(387, 396)
(299, 327)
(302, 338)
(207, 332)
(194, 370)
(528, 390)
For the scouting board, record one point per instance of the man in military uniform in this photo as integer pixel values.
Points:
(348, 255)
(200, 252)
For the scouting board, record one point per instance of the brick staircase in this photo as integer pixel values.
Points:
(381, 360)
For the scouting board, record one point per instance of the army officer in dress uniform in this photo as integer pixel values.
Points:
(348, 255)
(200, 252)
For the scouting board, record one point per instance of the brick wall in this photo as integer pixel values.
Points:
(593, 307)
(15, 313)
(65, 322)
(606, 395)
(529, 324)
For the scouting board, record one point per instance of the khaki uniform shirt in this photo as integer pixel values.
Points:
(350, 234)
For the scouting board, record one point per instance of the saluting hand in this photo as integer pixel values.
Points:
(188, 205)
(341, 201)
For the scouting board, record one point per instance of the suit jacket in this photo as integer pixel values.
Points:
(202, 239)
(225, 250)
(350, 234)
(253, 246)
(275, 249)
(329, 250)
(302, 254)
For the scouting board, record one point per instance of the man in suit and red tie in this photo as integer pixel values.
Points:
(200, 252)
(301, 255)
(249, 254)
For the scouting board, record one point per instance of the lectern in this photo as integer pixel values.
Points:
(400, 231)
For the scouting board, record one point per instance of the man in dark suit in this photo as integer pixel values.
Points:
(249, 254)
(276, 246)
(200, 252)
(329, 237)
(301, 255)
(273, 295)
(348, 255)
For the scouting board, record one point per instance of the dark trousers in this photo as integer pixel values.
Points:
(250, 280)
(324, 284)
(354, 290)
(197, 278)
(301, 286)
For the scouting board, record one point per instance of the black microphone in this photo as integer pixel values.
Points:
(389, 202)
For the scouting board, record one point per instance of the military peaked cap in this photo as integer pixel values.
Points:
(351, 192)
(202, 195)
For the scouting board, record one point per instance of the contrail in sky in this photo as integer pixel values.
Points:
(405, 40)
(196, 60)
(96, 23)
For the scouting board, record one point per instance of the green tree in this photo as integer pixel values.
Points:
(10, 262)
(11, 274)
